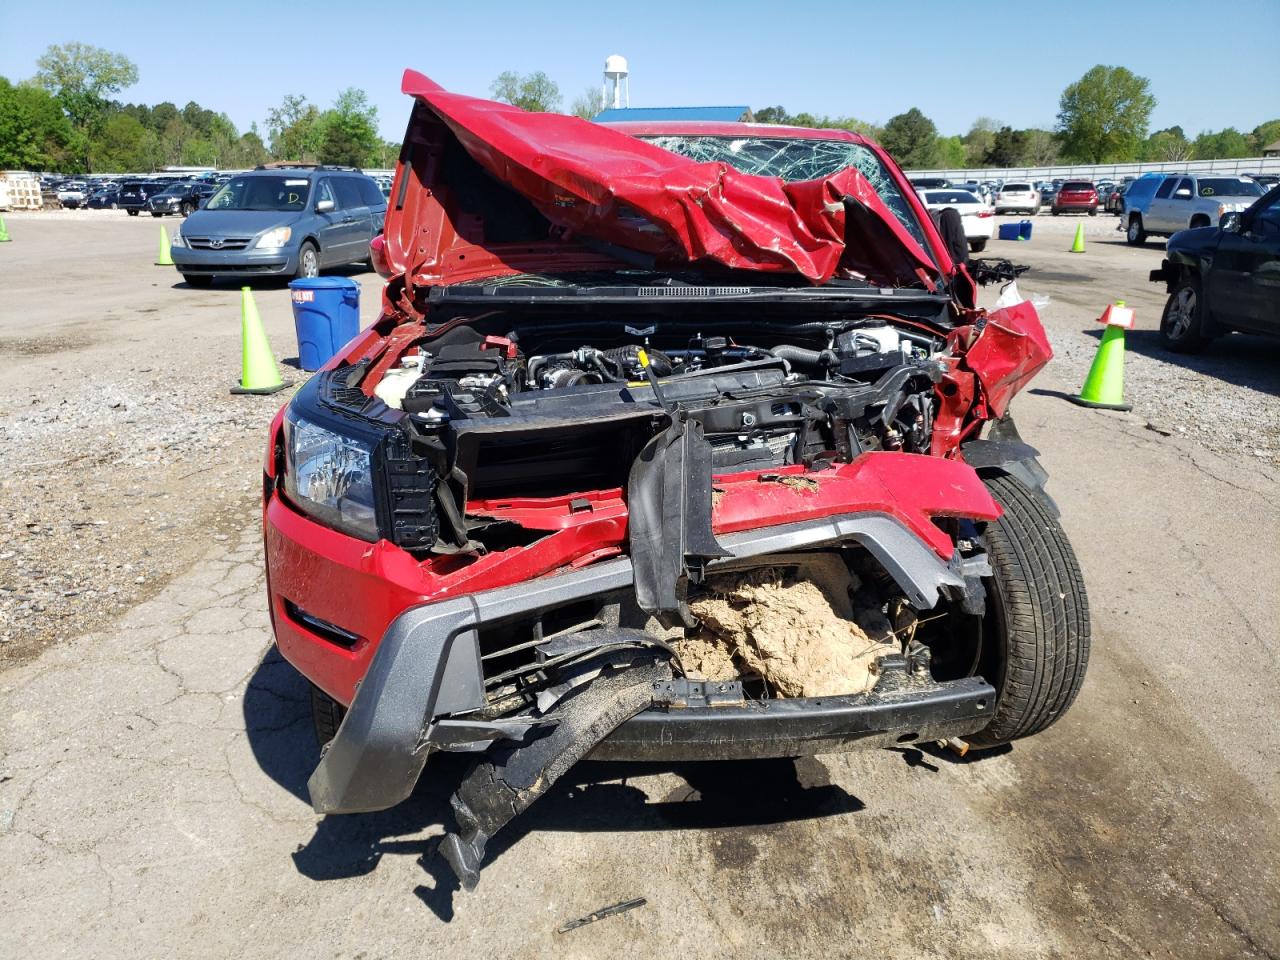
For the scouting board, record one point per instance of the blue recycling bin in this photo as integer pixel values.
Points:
(1024, 230)
(326, 314)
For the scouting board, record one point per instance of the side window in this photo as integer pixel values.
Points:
(1267, 220)
(325, 192)
(1186, 185)
(370, 192)
(1166, 188)
(348, 193)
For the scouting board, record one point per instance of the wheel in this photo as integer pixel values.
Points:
(133, 213)
(1036, 631)
(154, 214)
(1181, 324)
(308, 262)
(185, 210)
(1054, 212)
(326, 714)
(115, 206)
(977, 246)
(1136, 235)
(1093, 212)
(1199, 222)
(197, 280)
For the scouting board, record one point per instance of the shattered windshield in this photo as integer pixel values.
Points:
(794, 159)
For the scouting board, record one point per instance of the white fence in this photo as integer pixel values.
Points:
(1104, 171)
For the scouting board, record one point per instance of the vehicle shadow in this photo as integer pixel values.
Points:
(593, 796)
(1241, 359)
(355, 271)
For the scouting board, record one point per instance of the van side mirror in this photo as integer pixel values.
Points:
(324, 206)
(1231, 222)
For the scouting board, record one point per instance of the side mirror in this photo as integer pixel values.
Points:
(1184, 192)
(324, 206)
(1231, 222)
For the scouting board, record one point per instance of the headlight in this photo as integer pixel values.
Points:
(330, 477)
(177, 241)
(274, 239)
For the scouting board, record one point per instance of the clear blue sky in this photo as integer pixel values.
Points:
(1211, 65)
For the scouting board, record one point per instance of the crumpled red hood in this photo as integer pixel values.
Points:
(589, 181)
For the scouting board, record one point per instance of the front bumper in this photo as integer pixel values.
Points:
(424, 688)
(247, 262)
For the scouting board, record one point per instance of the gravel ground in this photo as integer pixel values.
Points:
(124, 450)
(1226, 399)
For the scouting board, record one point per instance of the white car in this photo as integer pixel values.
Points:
(977, 217)
(1018, 197)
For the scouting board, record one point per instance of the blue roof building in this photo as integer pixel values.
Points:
(658, 114)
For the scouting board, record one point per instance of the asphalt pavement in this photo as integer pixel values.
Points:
(153, 760)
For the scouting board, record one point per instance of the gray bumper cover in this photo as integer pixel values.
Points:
(427, 669)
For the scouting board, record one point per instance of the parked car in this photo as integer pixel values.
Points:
(182, 198)
(1264, 180)
(930, 183)
(1113, 201)
(134, 194)
(507, 518)
(1017, 196)
(104, 198)
(1048, 191)
(977, 217)
(1184, 201)
(1075, 196)
(280, 221)
(1223, 278)
(72, 194)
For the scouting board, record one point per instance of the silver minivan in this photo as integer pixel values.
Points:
(280, 221)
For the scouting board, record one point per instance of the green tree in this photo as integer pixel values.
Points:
(775, 114)
(535, 92)
(1040, 148)
(349, 134)
(1166, 146)
(589, 103)
(1263, 135)
(912, 139)
(34, 132)
(1103, 116)
(979, 139)
(123, 145)
(951, 152)
(1007, 148)
(84, 78)
(294, 129)
(1228, 144)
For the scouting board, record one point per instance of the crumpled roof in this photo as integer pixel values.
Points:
(604, 184)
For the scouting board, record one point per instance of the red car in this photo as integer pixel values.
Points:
(676, 441)
(1076, 196)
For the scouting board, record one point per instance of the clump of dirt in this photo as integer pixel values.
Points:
(705, 658)
(795, 628)
(799, 484)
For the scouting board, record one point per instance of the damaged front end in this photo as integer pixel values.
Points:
(562, 502)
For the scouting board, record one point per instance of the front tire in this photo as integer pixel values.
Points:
(1182, 323)
(1136, 235)
(133, 213)
(977, 246)
(308, 262)
(326, 715)
(1036, 635)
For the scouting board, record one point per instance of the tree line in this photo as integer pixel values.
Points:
(66, 119)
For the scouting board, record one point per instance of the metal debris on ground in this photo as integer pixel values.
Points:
(603, 912)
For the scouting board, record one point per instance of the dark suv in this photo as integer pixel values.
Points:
(281, 222)
(182, 198)
(134, 194)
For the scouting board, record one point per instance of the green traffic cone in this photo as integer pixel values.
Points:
(258, 372)
(1104, 386)
(4, 232)
(1077, 245)
(164, 260)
